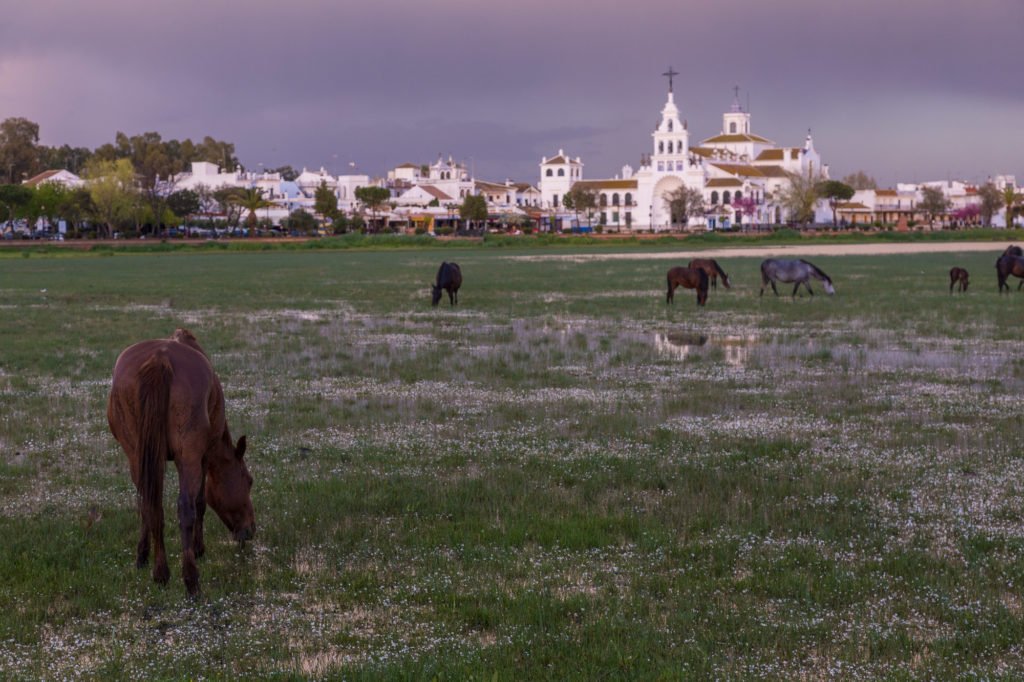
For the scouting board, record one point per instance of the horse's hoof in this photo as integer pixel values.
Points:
(161, 574)
(200, 550)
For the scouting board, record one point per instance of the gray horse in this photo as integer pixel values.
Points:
(799, 271)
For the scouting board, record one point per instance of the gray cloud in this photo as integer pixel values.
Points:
(909, 88)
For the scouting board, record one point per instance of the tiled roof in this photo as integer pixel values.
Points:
(740, 137)
(42, 177)
(615, 183)
(435, 192)
(724, 182)
(771, 155)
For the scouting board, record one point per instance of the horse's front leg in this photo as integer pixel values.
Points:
(774, 288)
(809, 289)
(796, 288)
(198, 545)
(190, 477)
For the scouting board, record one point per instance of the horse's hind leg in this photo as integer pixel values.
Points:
(668, 296)
(142, 548)
(190, 478)
(197, 536)
(796, 288)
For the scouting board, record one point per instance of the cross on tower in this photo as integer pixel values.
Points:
(670, 73)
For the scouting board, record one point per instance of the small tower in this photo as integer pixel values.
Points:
(557, 176)
(736, 121)
(671, 139)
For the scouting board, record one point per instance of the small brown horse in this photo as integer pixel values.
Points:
(713, 270)
(959, 277)
(1006, 266)
(688, 278)
(166, 403)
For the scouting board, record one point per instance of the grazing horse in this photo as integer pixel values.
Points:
(799, 271)
(958, 276)
(688, 278)
(713, 270)
(166, 403)
(1006, 266)
(449, 278)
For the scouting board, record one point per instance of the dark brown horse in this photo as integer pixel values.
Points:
(713, 270)
(1013, 250)
(1006, 266)
(166, 403)
(688, 278)
(958, 276)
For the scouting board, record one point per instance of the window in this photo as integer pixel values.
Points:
(615, 217)
(604, 200)
(661, 165)
(554, 200)
(725, 197)
(661, 147)
(615, 199)
(737, 196)
(549, 172)
(629, 199)
(670, 126)
(714, 197)
(680, 166)
(732, 129)
(561, 172)
(604, 218)
(670, 146)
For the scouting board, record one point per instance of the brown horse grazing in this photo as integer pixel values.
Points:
(166, 403)
(688, 278)
(713, 270)
(958, 276)
(1006, 266)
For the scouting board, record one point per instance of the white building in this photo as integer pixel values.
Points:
(733, 165)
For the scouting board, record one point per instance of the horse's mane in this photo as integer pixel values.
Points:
(818, 270)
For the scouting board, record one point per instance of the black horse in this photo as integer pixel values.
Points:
(449, 278)
(1006, 266)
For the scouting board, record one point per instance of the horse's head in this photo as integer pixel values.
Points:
(435, 295)
(228, 486)
(829, 289)
(725, 281)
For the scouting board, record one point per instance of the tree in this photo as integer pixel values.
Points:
(184, 203)
(860, 180)
(473, 208)
(1010, 202)
(226, 198)
(745, 205)
(991, 202)
(14, 198)
(19, 153)
(835, 192)
(800, 197)
(933, 202)
(374, 198)
(251, 199)
(112, 190)
(325, 202)
(684, 203)
(49, 202)
(301, 221)
(287, 172)
(581, 198)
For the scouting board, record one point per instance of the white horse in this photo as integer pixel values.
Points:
(799, 271)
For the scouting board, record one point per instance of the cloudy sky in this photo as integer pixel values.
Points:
(903, 89)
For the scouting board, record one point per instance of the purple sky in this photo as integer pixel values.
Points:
(907, 90)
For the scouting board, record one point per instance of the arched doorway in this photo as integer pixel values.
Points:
(661, 212)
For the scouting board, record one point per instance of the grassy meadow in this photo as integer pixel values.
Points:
(561, 478)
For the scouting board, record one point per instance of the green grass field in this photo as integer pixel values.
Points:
(563, 478)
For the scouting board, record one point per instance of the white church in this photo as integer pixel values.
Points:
(735, 165)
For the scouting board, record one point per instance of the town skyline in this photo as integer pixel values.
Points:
(904, 93)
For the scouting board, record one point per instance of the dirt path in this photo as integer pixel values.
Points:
(794, 250)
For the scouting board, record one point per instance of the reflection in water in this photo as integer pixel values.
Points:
(679, 345)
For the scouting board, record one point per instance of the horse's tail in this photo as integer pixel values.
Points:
(154, 398)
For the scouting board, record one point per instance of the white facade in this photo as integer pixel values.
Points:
(735, 164)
